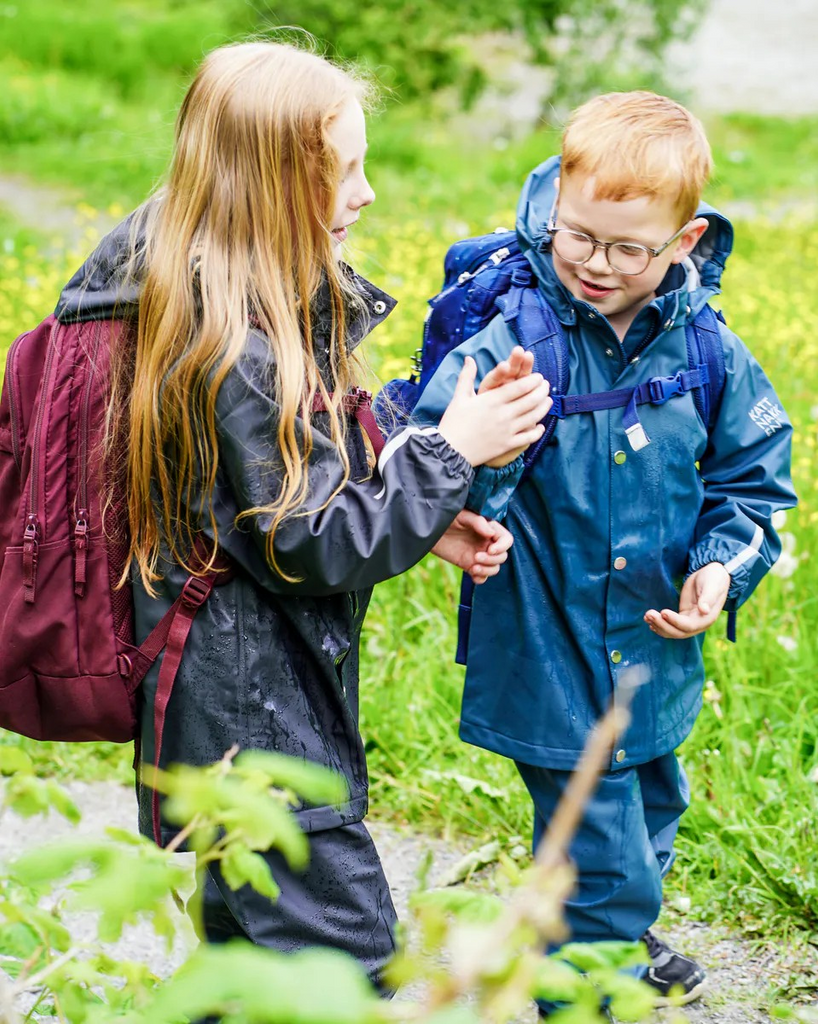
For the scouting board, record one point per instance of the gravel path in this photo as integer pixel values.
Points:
(751, 55)
(738, 974)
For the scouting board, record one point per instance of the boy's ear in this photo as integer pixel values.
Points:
(689, 239)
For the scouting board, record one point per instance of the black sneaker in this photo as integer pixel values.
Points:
(677, 979)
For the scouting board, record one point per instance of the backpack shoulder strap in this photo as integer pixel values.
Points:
(537, 328)
(704, 348)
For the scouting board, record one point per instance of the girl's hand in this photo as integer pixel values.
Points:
(475, 544)
(701, 600)
(519, 364)
(502, 420)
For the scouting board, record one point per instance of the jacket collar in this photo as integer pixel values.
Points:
(375, 307)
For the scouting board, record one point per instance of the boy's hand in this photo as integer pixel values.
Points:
(519, 364)
(477, 545)
(700, 602)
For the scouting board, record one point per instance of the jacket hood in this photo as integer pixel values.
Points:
(102, 289)
(703, 268)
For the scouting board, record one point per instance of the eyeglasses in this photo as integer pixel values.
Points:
(629, 258)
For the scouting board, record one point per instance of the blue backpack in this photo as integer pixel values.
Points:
(489, 276)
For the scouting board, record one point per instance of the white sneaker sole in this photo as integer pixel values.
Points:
(682, 1000)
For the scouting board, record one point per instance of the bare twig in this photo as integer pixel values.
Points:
(551, 855)
(35, 980)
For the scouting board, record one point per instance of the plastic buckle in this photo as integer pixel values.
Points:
(662, 389)
(521, 277)
(558, 407)
(195, 592)
(355, 398)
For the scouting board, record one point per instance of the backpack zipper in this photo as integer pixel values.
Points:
(14, 404)
(81, 537)
(36, 500)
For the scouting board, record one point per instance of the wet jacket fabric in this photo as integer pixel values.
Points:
(602, 533)
(270, 664)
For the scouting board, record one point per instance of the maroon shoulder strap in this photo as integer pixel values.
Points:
(170, 634)
(358, 403)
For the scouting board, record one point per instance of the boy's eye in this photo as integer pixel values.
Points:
(630, 250)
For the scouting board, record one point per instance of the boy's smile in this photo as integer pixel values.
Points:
(643, 220)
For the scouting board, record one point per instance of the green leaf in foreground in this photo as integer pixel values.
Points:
(14, 760)
(465, 904)
(260, 985)
(312, 782)
(241, 866)
(27, 795)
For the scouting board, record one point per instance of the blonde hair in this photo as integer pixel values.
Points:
(638, 144)
(238, 237)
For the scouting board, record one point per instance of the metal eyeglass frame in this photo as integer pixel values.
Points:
(652, 253)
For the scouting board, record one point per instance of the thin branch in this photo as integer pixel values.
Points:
(35, 980)
(551, 854)
(183, 835)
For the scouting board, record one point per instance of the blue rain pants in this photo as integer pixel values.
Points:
(623, 848)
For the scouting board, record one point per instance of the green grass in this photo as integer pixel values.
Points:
(746, 846)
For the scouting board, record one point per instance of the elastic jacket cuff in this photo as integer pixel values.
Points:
(492, 488)
(739, 573)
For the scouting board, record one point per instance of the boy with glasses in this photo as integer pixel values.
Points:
(630, 535)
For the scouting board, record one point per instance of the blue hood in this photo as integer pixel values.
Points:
(534, 207)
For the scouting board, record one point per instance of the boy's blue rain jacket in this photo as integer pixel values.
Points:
(602, 533)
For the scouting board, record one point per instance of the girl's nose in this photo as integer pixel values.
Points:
(365, 197)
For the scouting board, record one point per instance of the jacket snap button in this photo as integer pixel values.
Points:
(592, 316)
(620, 563)
(609, 352)
(619, 458)
(616, 657)
(620, 756)
(379, 307)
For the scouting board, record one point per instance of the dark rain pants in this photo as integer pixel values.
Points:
(341, 900)
(623, 848)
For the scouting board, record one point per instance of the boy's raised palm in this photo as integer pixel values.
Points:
(700, 602)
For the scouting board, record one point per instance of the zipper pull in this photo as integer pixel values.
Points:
(30, 541)
(80, 552)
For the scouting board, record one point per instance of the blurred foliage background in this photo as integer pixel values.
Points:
(472, 97)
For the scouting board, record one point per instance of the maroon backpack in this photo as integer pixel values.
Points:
(69, 667)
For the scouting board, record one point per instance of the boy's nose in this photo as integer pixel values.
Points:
(598, 263)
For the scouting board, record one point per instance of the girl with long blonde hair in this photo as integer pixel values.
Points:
(235, 396)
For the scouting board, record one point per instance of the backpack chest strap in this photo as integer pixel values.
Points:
(655, 391)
